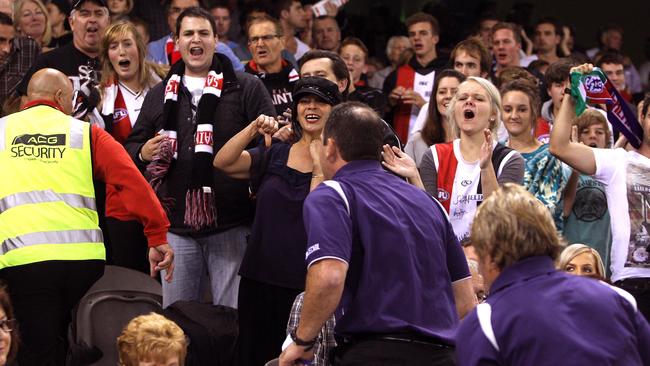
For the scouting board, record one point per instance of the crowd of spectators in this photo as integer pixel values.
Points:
(222, 106)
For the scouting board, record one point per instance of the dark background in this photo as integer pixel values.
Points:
(376, 20)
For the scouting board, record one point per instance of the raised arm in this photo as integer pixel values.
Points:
(577, 155)
(232, 159)
(489, 181)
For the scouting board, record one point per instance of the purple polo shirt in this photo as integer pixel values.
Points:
(402, 253)
(541, 316)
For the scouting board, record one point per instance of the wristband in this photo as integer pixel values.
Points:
(302, 343)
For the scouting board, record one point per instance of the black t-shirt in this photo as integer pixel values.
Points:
(374, 98)
(80, 68)
(279, 85)
(57, 42)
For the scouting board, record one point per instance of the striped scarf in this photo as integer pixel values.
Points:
(595, 88)
(200, 210)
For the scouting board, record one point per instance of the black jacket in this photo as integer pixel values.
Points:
(243, 99)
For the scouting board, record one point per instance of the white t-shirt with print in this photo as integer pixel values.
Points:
(195, 86)
(626, 176)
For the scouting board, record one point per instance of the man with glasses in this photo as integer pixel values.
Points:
(266, 43)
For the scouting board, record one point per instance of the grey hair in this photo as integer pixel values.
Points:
(392, 40)
(72, 13)
(495, 103)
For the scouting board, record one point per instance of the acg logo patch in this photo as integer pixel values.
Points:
(40, 140)
(38, 146)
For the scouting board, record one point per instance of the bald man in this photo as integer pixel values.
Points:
(52, 248)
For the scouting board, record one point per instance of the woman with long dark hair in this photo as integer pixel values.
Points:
(432, 125)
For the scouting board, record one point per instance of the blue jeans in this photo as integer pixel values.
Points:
(209, 260)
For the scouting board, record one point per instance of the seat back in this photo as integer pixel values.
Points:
(116, 298)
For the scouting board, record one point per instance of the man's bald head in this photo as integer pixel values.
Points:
(52, 85)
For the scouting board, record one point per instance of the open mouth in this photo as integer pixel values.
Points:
(468, 114)
(312, 118)
(262, 53)
(124, 63)
(92, 30)
(196, 51)
(593, 144)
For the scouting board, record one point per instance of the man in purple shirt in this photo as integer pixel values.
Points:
(535, 315)
(381, 253)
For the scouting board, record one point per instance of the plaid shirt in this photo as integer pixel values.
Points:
(325, 341)
(23, 55)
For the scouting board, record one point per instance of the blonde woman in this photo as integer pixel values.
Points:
(582, 260)
(463, 172)
(152, 340)
(32, 20)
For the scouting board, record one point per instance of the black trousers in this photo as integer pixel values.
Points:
(128, 245)
(263, 315)
(393, 353)
(43, 295)
(640, 289)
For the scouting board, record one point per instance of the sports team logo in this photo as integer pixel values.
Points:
(594, 84)
(443, 195)
(119, 115)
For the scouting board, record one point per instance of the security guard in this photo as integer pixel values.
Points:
(51, 248)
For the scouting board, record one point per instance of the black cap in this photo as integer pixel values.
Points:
(78, 3)
(321, 87)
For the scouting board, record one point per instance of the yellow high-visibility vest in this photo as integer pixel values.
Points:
(47, 197)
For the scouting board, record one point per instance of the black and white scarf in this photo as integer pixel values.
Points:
(200, 210)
